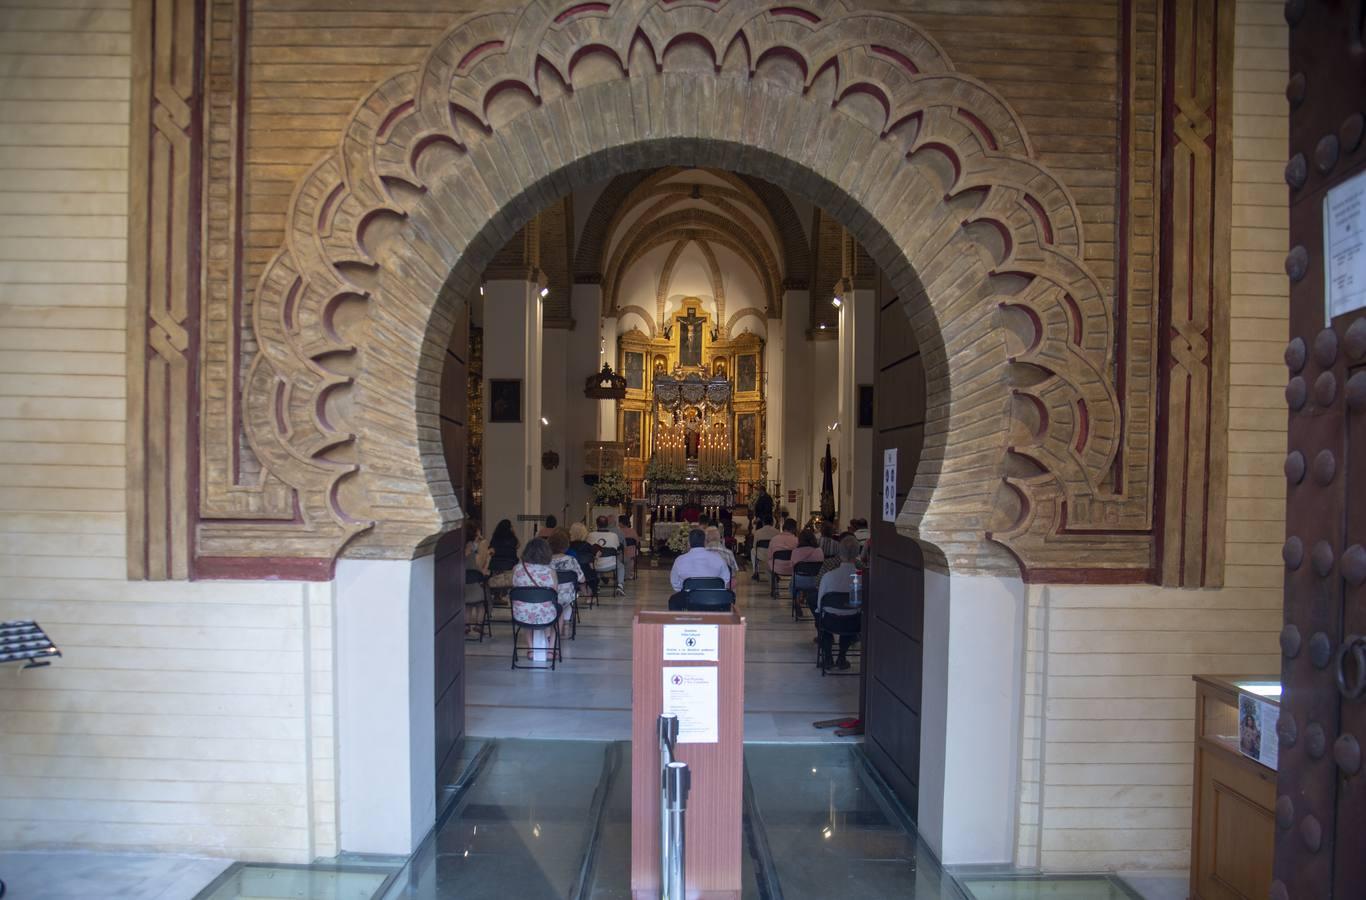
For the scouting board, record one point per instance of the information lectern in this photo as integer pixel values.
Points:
(691, 665)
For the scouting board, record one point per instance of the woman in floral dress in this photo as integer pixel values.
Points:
(561, 561)
(535, 570)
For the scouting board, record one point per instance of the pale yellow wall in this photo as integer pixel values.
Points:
(182, 717)
(1109, 703)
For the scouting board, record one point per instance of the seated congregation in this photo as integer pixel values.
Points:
(547, 584)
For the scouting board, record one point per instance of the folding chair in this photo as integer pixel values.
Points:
(710, 600)
(760, 556)
(838, 618)
(806, 581)
(473, 577)
(566, 576)
(542, 597)
(609, 554)
(585, 561)
(775, 580)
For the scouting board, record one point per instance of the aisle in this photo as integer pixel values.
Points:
(588, 697)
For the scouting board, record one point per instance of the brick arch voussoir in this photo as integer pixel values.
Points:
(374, 189)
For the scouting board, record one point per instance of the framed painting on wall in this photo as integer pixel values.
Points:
(747, 373)
(505, 400)
(747, 436)
(634, 370)
(630, 433)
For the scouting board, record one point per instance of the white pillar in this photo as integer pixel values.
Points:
(970, 717)
(556, 381)
(385, 702)
(607, 409)
(798, 415)
(512, 350)
(858, 312)
(581, 413)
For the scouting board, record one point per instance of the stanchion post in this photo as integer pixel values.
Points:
(679, 783)
(668, 736)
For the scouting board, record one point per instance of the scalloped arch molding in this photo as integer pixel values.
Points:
(861, 112)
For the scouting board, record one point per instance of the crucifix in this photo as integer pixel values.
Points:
(690, 339)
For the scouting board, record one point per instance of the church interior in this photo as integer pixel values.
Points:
(458, 449)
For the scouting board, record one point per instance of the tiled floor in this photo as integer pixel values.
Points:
(589, 696)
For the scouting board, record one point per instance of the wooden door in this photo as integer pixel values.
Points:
(895, 612)
(1321, 801)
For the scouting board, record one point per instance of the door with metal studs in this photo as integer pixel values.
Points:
(1321, 788)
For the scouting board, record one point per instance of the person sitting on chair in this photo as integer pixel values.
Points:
(608, 539)
(765, 532)
(715, 545)
(534, 570)
(628, 534)
(561, 561)
(785, 541)
(548, 528)
(698, 562)
(837, 582)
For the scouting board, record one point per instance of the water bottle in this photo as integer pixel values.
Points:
(856, 589)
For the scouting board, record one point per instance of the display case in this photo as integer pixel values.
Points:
(1234, 798)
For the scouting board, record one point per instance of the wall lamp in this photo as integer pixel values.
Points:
(545, 292)
(836, 302)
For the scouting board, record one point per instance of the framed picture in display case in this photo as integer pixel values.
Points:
(505, 400)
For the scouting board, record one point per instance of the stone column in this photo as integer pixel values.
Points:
(513, 350)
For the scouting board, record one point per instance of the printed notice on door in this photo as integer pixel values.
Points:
(889, 485)
(1344, 243)
(690, 694)
(695, 642)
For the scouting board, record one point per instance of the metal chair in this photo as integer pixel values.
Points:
(774, 579)
(585, 558)
(485, 627)
(542, 596)
(696, 584)
(806, 581)
(499, 567)
(837, 617)
(760, 556)
(610, 553)
(567, 576)
(710, 600)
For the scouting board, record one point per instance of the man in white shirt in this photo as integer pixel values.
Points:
(765, 532)
(608, 538)
(698, 562)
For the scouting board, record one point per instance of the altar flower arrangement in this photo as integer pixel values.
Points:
(678, 541)
(612, 489)
(726, 473)
(657, 471)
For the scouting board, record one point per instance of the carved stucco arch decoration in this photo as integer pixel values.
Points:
(929, 169)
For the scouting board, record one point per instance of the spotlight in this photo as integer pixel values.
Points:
(836, 302)
(481, 290)
(545, 292)
(544, 420)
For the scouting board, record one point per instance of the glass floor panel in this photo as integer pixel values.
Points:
(263, 881)
(1045, 887)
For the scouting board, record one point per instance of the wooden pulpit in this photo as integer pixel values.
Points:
(676, 659)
